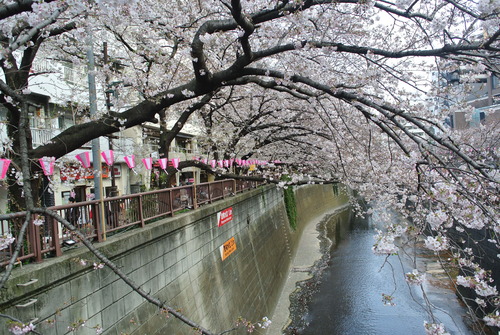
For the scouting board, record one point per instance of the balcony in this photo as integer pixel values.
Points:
(43, 136)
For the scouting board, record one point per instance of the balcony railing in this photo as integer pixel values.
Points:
(98, 219)
(43, 136)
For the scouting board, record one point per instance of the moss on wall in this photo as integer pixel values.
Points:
(291, 206)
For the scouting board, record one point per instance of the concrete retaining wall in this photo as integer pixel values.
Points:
(178, 260)
(313, 201)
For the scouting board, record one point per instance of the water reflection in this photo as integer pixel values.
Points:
(349, 295)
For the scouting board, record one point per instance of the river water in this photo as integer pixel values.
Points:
(345, 295)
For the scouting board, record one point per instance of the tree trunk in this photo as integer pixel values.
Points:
(16, 195)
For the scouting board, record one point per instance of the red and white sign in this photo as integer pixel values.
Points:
(224, 216)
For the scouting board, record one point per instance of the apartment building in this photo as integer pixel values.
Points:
(51, 113)
(481, 92)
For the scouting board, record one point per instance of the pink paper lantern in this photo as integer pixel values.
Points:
(231, 162)
(204, 160)
(130, 160)
(148, 162)
(238, 161)
(108, 156)
(220, 163)
(163, 163)
(175, 162)
(84, 158)
(213, 163)
(4, 167)
(47, 164)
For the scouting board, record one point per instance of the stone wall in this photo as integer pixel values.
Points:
(179, 261)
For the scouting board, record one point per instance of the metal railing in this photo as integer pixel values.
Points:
(97, 219)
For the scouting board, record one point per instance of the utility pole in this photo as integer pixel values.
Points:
(96, 155)
(489, 83)
(96, 150)
(108, 108)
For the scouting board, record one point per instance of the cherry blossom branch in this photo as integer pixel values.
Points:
(61, 30)
(468, 11)
(184, 117)
(293, 7)
(384, 128)
(199, 60)
(353, 99)
(145, 111)
(19, 244)
(492, 38)
(17, 7)
(8, 91)
(23, 39)
(289, 88)
(245, 24)
(445, 50)
(11, 318)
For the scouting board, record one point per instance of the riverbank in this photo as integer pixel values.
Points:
(303, 266)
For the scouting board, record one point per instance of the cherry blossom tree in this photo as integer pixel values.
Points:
(336, 89)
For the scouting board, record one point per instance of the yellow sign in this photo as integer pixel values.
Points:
(252, 167)
(227, 248)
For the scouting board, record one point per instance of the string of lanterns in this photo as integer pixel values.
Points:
(47, 163)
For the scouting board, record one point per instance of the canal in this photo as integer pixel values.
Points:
(345, 294)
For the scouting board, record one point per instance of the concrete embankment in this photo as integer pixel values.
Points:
(307, 246)
(178, 260)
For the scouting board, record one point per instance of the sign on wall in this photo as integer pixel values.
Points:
(117, 170)
(224, 216)
(227, 248)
